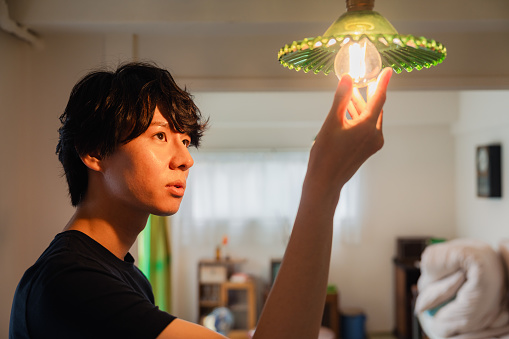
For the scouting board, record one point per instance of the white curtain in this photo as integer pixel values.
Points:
(230, 192)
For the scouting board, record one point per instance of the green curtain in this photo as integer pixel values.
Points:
(154, 259)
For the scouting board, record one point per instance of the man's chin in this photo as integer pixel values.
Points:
(166, 212)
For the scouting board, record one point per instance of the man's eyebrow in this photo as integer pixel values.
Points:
(160, 123)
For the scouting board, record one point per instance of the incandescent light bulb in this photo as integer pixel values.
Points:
(360, 59)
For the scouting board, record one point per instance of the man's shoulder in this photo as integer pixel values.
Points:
(68, 249)
(73, 253)
(73, 264)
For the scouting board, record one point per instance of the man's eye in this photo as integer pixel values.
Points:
(186, 142)
(160, 136)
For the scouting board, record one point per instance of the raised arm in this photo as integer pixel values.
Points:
(295, 306)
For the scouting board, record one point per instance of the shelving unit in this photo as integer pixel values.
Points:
(211, 275)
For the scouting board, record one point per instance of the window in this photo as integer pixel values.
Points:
(228, 192)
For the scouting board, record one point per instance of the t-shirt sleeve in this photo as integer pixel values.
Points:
(83, 297)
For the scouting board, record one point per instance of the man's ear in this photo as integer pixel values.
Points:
(92, 161)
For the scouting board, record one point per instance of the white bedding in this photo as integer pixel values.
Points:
(462, 291)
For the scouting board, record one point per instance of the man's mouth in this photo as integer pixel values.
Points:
(176, 189)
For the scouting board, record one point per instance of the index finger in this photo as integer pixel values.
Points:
(341, 98)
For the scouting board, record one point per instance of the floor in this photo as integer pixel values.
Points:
(240, 335)
(382, 336)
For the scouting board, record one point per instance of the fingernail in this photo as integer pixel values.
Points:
(345, 81)
(389, 75)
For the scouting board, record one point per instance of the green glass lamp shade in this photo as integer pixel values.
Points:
(400, 52)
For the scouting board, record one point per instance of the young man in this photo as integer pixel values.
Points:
(124, 149)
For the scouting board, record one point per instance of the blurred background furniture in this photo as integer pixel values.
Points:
(211, 275)
(331, 313)
(240, 299)
(406, 274)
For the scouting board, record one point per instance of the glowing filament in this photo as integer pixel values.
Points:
(357, 61)
(360, 60)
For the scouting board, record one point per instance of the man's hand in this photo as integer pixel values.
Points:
(343, 144)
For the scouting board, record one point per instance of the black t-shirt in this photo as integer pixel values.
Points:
(79, 289)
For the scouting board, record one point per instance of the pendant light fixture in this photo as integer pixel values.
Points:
(361, 42)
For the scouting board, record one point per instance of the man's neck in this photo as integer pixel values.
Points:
(117, 232)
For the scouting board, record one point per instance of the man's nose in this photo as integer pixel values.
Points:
(182, 158)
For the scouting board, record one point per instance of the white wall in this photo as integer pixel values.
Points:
(409, 185)
(13, 81)
(484, 119)
(34, 87)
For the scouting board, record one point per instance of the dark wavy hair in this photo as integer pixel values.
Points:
(108, 109)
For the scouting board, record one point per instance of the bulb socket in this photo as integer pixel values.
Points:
(360, 5)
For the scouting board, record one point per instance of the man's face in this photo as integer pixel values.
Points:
(149, 173)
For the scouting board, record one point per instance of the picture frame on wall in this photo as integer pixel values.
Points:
(489, 171)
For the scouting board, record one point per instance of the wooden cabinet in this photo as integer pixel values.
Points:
(406, 275)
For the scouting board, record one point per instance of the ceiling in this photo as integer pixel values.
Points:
(233, 44)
